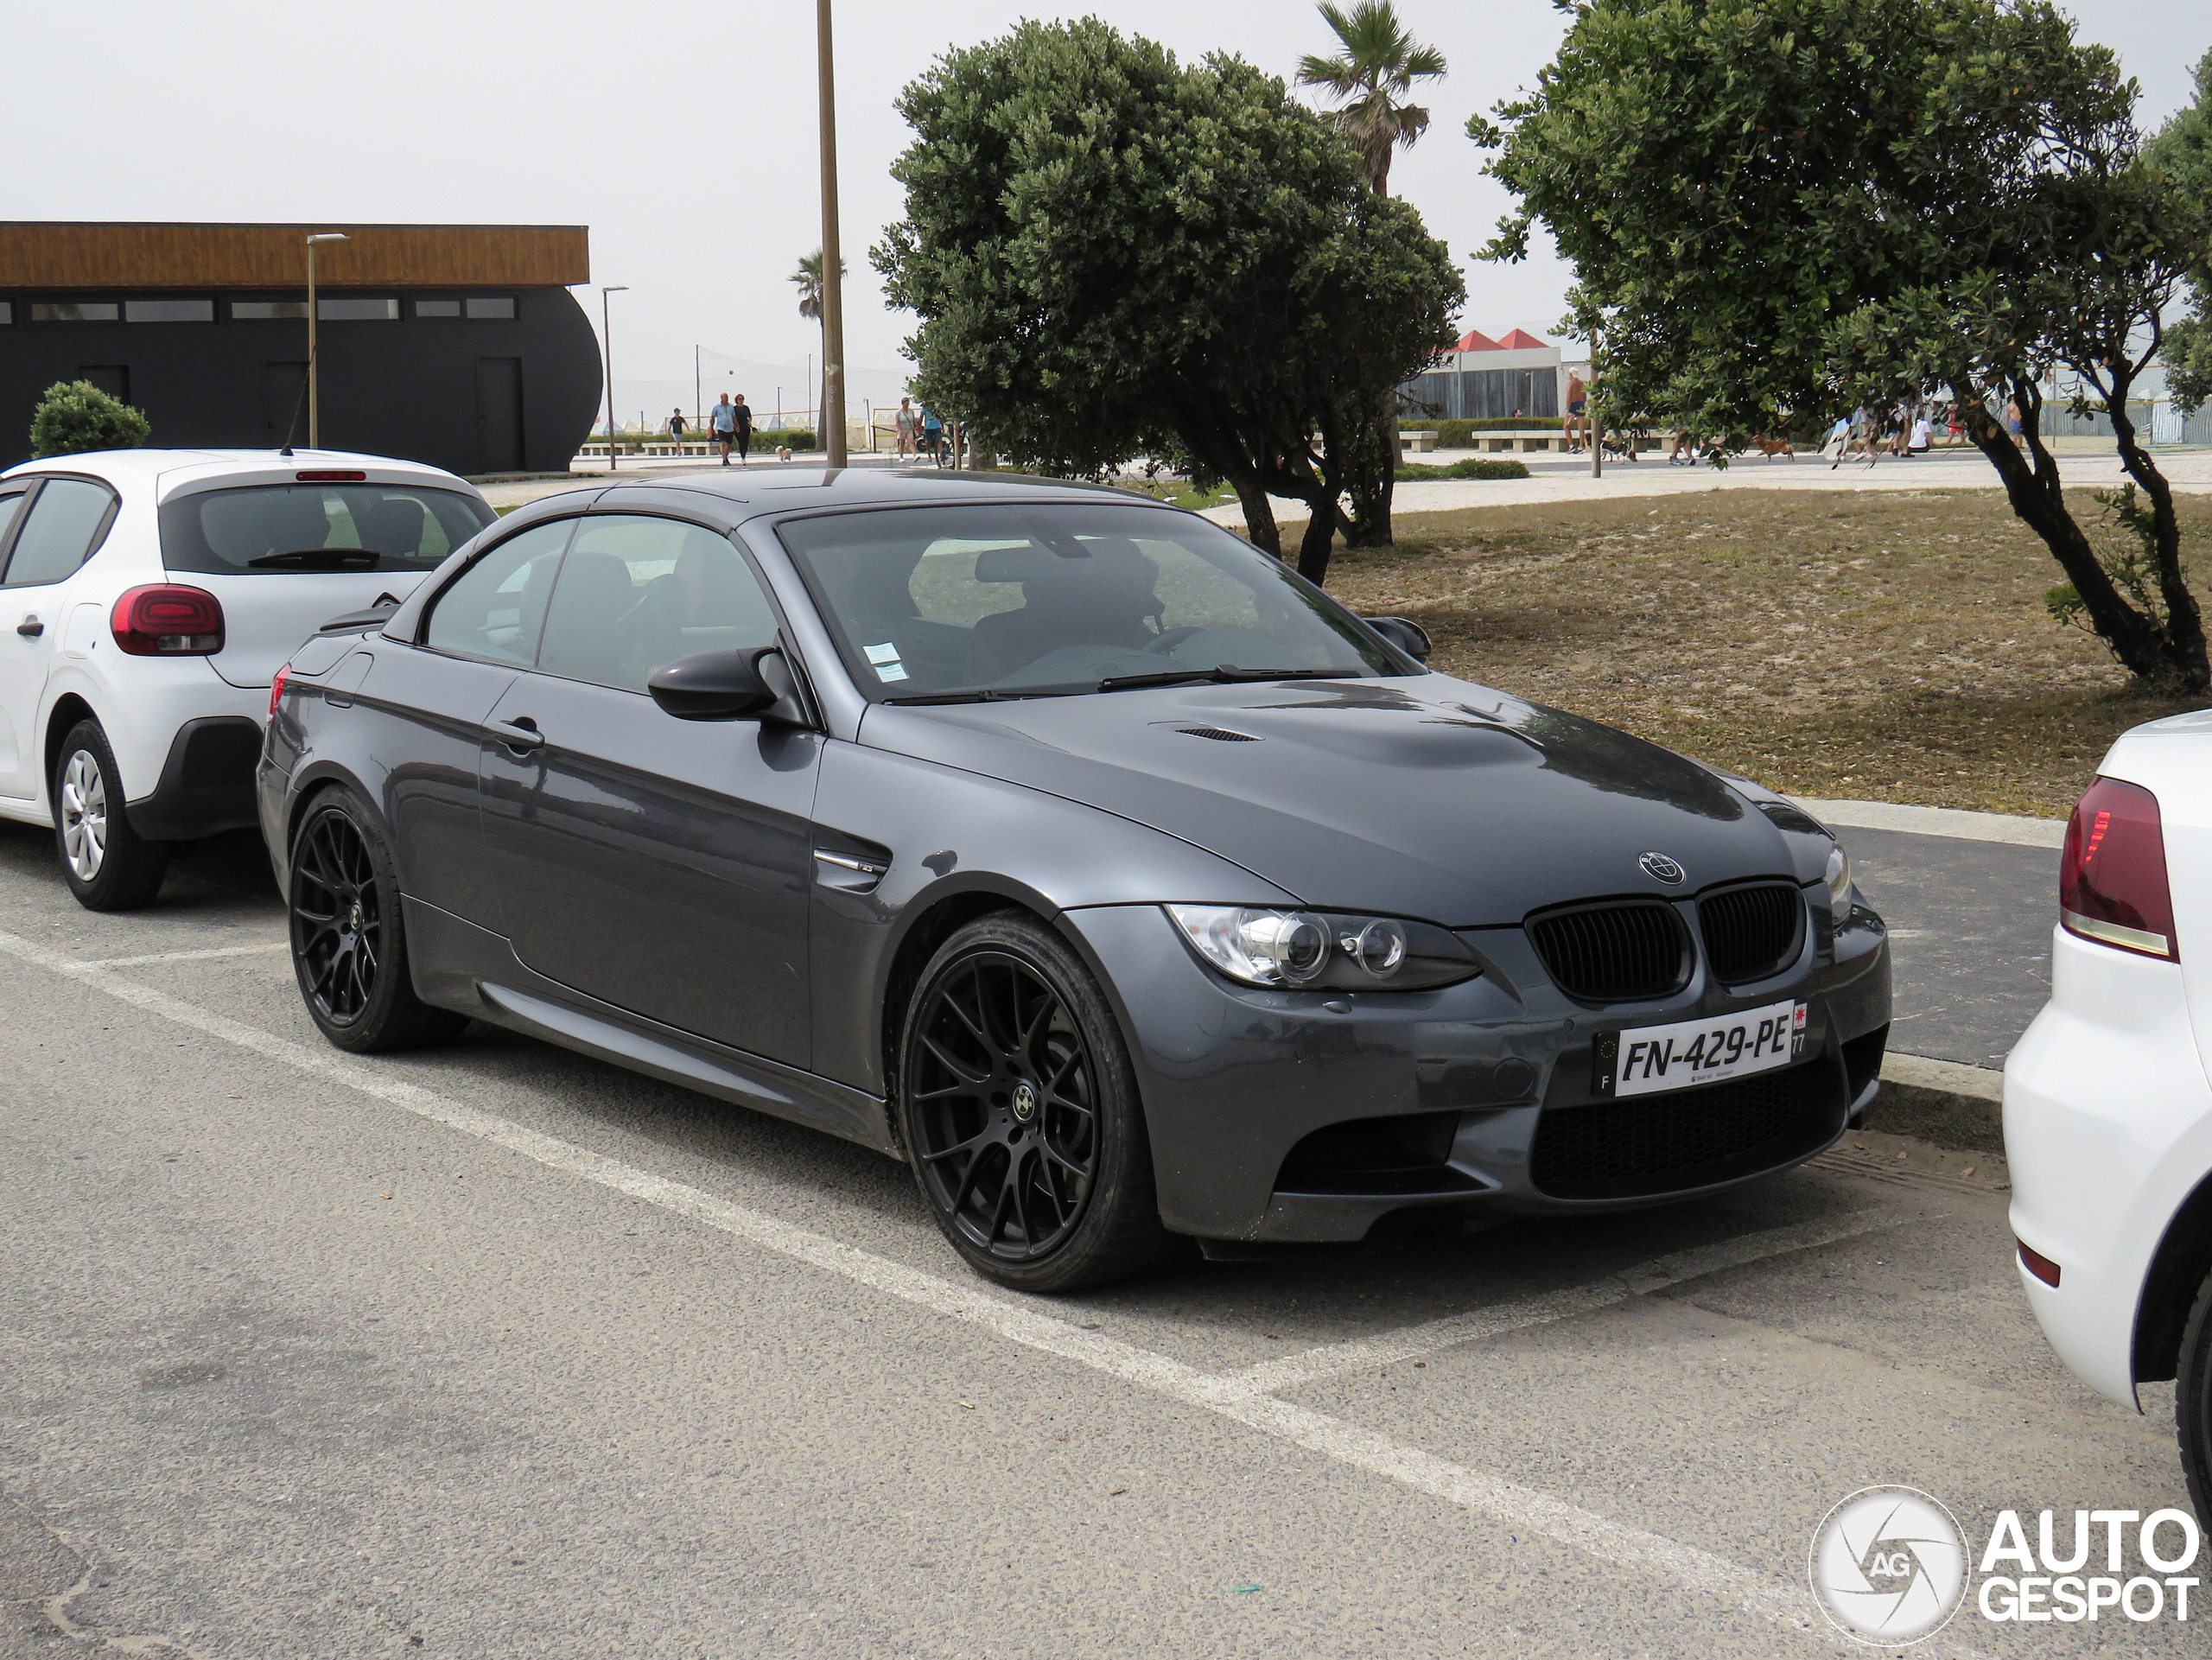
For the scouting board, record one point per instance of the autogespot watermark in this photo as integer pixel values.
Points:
(1890, 1566)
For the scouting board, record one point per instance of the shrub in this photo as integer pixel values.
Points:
(791, 437)
(1487, 466)
(76, 415)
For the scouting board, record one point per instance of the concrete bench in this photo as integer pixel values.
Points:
(1416, 442)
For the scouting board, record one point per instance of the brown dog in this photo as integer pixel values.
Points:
(1770, 447)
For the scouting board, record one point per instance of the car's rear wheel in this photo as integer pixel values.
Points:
(108, 865)
(349, 945)
(1021, 1117)
(2193, 1401)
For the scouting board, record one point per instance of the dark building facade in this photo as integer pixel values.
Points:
(459, 346)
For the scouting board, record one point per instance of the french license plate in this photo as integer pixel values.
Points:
(1651, 1059)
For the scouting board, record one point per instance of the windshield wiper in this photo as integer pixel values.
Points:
(319, 559)
(1221, 673)
(985, 694)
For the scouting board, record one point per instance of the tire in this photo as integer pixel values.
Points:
(108, 865)
(1021, 1114)
(2193, 1401)
(349, 949)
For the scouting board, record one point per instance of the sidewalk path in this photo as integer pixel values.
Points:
(1567, 478)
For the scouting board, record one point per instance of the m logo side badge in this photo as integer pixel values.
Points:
(1661, 869)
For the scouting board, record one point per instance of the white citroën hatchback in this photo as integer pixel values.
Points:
(148, 596)
(2107, 1098)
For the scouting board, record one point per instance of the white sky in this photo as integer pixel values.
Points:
(683, 135)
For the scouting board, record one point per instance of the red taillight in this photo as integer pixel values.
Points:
(328, 476)
(164, 620)
(277, 688)
(2039, 1265)
(2111, 879)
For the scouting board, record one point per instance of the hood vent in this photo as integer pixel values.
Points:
(1219, 734)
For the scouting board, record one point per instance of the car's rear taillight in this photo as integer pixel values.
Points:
(165, 619)
(277, 688)
(2111, 879)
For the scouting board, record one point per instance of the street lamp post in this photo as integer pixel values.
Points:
(833, 264)
(607, 343)
(315, 398)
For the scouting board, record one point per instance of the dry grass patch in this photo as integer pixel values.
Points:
(1889, 645)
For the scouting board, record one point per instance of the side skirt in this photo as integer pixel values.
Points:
(461, 966)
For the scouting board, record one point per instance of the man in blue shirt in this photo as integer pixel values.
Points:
(723, 420)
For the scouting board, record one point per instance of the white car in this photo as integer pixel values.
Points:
(147, 597)
(2107, 1098)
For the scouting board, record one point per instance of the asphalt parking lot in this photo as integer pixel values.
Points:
(495, 1350)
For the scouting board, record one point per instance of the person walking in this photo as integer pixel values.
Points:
(932, 433)
(905, 424)
(2013, 424)
(722, 420)
(741, 426)
(675, 428)
(1578, 405)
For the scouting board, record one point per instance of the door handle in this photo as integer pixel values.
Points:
(521, 733)
(30, 627)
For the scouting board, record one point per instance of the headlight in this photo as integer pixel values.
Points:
(1320, 949)
(1839, 881)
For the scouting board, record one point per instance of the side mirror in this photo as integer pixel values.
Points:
(718, 685)
(1403, 633)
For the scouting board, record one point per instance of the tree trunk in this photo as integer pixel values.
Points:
(2143, 646)
(1313, 548)
(2184, 646)
(1260, 527)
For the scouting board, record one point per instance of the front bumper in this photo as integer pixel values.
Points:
(1314, 1116)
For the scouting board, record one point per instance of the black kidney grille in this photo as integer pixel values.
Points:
(1751, 932)
(1661, 1144)
(1613, 953)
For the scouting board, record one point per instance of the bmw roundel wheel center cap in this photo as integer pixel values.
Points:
(1024, 1102)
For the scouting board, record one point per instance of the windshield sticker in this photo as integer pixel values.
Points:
(891, 670)
(883, 653)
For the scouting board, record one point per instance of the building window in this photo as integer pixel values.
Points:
(438, 308)
(75, 311)
(168, 311)
(502, 307)
(267, 311)
(7, 312)
(352, 308)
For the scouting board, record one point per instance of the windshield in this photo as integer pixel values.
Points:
(316, 527)
(1020, 598)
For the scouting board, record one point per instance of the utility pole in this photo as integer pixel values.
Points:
(698, 395)
(1597, 426)
(833, 264)
(606, 344)
(314, 395)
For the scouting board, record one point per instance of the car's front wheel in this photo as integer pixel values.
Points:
(349, 943)
(1020, 1114)
(108, 865)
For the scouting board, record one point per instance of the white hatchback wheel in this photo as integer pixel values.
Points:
(84, 815)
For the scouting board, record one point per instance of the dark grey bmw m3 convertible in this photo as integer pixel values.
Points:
(1069, 847)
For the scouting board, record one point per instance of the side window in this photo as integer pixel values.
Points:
(11, 503)
(636, 593)
(496, 608)
(59, 532)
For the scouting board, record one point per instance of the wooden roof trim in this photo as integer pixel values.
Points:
(63, 256)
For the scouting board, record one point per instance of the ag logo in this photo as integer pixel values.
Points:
(1889, 1566)
(1661, 869)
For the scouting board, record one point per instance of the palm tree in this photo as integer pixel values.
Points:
(1379, 66)
(809, 279)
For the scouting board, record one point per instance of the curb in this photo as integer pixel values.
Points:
(1940, 1102)
(1954, 822)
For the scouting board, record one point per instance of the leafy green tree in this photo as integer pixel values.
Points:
(1786, 207)
(1112, 253)
(75, 415)
(1377, 66)
(2183, 149)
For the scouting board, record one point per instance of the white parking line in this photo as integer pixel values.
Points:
(1784, 1604)
(1407, 1343)
(187, 957)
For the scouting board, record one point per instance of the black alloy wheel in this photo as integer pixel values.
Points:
(2193, 1400)
(336, 925)
(1021, 1116)
(1002, 1091)
(347, 951)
